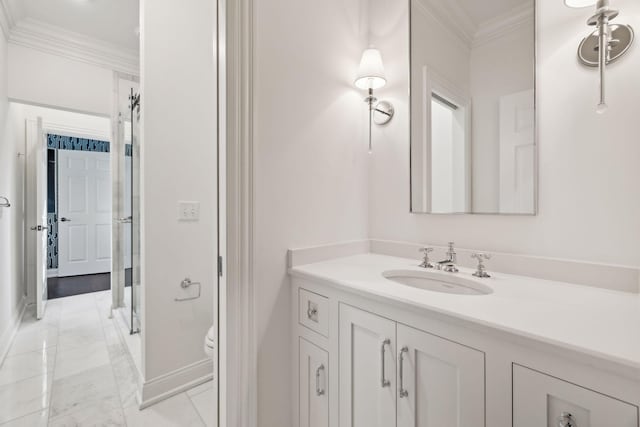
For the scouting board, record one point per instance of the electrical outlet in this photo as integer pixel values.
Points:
(188, 211)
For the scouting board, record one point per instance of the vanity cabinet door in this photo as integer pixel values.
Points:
(367, 369)
(314, 385)
(540, 400)
(440, 382)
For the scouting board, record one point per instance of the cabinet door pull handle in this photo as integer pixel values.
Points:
(384, 382)
(319, 391)
(566, 420)
(403, 392)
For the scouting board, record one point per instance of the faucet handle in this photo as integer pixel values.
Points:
(481, 271)
(426, 263)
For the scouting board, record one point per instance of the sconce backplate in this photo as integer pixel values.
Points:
(588, 50)
(383, 113)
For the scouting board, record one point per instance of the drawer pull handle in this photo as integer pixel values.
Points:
(566, 420)
(319, 391)
(383, 381)
(403, 392)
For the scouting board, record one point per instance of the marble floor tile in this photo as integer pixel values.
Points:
(75, 360)
(37, 419)
(176, 411)
(205, 404)
(84, 319)
(24, 397)
(27, 365)
(95, 415)
(85, 390)
(34, 339)
(81, 336)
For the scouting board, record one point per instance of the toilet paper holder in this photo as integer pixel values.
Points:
(187, 283)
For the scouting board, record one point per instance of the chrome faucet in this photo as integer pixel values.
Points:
(449, 264)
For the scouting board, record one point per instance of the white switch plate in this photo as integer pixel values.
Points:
(188, 211)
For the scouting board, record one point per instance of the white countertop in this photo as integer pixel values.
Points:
(598, 322)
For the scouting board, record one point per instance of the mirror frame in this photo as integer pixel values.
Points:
(536, 131)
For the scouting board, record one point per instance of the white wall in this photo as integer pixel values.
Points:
(178, 162)
(589, 203)
(11, 219)
(45, 79)
(310, 162)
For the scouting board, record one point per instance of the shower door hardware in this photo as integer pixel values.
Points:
(63, 219)
(403, 392)
(125, 220)
(38, 228)
(383, 381)
(187, 283)
(566, 420)
(5, 203)
(319, 391)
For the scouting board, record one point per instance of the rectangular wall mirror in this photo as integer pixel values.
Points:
(473, 120)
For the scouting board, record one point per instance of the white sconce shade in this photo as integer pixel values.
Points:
(579, 3)
(371, 71)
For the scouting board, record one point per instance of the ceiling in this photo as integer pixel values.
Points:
(111, 21)
(481, 11)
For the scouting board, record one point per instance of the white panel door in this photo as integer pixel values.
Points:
(367, 369)
(517, 153)
(37, 137)
(314, 385)
(540, 400)
(440, 383)
(84, 213)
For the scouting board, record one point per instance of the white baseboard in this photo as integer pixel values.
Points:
(6, 339)
(167, 385)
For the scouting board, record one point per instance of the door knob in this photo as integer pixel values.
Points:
(63, 219)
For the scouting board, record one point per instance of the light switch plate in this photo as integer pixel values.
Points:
(188, 211)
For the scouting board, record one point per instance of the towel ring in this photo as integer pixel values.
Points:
(6, 203)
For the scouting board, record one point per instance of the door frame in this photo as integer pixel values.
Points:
(60, 129)
(237, 367)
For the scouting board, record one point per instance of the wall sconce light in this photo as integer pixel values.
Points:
(616, 39)
(371, 76)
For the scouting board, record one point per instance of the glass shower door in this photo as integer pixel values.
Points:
(133, 169)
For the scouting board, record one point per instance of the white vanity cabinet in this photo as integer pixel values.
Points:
(367, 360)
(395, 375)
(313, 385)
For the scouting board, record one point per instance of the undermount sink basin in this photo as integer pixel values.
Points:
(449, 283)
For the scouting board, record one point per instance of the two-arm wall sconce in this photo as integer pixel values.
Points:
(371, 76)
(616, 39)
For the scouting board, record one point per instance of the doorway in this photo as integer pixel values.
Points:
(68, 202)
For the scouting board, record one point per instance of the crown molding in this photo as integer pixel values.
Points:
(7, 20)
(452, 17)
(58, 41)
(502, 25)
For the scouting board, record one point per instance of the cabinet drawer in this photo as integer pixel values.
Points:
(313, 311)
(313, 385)
(541, 400)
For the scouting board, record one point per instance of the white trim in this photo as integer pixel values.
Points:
(175, 382)
(504, 24)
(238, 339)
(52, 272)
(61, 42)
(7, 20)
(6, 339)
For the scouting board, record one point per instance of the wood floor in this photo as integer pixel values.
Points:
(59, 287)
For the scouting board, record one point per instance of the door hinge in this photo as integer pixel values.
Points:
(220, 266)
